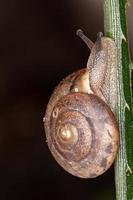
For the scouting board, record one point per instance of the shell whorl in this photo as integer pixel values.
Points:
(81, 131)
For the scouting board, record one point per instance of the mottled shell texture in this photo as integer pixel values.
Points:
(81, 131)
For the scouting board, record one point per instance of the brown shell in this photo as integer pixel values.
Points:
(90, 147)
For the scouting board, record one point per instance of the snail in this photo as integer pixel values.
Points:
(80, 124)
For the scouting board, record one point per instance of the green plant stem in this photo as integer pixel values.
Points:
(115, 27)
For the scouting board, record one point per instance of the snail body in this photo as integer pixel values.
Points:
(80, 124)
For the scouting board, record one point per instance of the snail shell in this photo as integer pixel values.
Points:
(80, 128)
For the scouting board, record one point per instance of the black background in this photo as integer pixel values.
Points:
(38, 47)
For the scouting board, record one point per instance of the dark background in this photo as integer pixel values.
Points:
(38, 47)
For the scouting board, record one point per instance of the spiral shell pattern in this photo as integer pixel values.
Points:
(81, 133)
